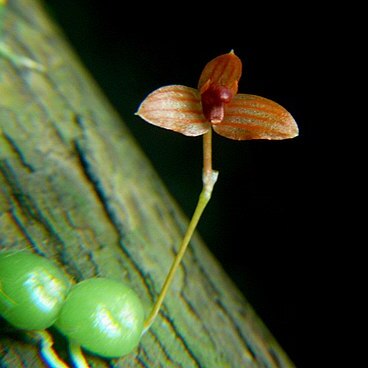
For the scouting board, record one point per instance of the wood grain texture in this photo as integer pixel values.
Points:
(75, 188)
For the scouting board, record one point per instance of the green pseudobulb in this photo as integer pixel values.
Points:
(32, 290)
(104, 316)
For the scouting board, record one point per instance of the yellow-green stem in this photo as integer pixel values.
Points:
(209, 180)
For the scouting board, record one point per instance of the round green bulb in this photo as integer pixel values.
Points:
(32, 290)
(103, 316)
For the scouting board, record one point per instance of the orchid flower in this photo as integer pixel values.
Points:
(214, 104)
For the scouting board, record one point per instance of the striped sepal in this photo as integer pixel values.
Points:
(254, 117)
(177, 108)
(224, 70)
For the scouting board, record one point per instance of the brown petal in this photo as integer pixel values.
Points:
(254, 117)
(224, 70)
(177, 108)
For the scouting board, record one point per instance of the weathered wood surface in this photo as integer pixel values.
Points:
(75, 188)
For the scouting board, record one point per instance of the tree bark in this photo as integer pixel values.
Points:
(75, 188)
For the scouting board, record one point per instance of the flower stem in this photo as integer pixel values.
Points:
(209, 180)
(207, 152)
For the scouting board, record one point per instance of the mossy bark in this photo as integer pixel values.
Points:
(75, 188)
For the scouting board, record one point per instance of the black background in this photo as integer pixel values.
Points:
(267, 217)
